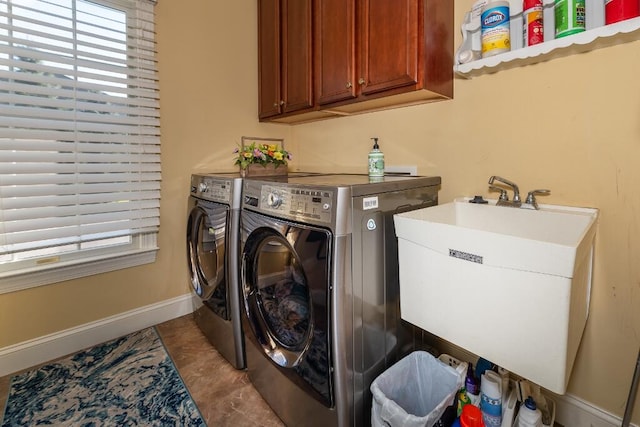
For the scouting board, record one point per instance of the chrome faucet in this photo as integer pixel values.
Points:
(529, 203)
(503, 200)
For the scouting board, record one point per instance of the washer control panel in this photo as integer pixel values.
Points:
(211, 188)
(302, 203)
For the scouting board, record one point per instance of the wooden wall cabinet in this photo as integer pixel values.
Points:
(376, 54)
(335, 50)
(284, 57)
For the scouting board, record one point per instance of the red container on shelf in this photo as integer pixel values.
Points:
(532, 14)
(619, 10)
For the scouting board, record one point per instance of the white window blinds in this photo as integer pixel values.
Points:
(79, 130)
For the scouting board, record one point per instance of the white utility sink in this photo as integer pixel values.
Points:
(509, 284)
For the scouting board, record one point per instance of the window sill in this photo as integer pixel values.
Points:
(17, 281)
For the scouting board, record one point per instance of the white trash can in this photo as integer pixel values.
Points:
(415, 391)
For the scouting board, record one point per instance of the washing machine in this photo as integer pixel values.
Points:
(213, 227)
(320, 292)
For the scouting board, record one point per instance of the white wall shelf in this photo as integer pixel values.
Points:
(596, 38)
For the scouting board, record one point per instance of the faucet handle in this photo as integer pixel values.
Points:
(531, 202)
(503, 193)
(531, 195)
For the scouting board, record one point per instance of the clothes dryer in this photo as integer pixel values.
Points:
(320, 292)
(213, 226)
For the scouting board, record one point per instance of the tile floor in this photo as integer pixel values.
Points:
(223, 394)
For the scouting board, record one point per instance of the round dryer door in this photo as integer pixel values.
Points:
(206, 227)
(277, 297)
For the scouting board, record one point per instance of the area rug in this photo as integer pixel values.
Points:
(129, 381)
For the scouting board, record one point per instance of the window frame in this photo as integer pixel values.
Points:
(141, 249)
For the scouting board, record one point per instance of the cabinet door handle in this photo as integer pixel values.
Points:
(281, 102)
(275, 104)
(349, 85)
(361, 80)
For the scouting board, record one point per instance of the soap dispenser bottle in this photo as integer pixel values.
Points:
(376, 160)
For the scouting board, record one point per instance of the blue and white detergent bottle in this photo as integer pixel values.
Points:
(491, 399)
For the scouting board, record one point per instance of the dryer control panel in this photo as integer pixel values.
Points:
(211, 188)
(302, 203)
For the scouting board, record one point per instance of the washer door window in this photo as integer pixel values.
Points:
(279, 302)
(286, 296)
(206, 228)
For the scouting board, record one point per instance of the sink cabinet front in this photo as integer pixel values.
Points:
(376, 54)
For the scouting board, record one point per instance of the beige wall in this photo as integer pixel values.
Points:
(571, 125)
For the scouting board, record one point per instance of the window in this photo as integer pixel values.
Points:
(79, 139)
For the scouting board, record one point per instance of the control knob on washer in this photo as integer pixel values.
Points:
(274, 200)
(202, 187)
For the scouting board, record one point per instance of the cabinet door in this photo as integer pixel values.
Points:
(269, 96)
(297, 55)
(335, 50)
(388, 48)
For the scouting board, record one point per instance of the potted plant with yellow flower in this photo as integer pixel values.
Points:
(259, 159)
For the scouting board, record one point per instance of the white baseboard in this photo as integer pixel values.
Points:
(39, 350)
(573, 411)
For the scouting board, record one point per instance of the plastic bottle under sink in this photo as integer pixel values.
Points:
(491, 399)
(472, 384)
(529, 415)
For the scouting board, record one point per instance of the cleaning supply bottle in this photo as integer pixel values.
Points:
(376, 160)
(463, 399)
(495, 28)
(491, 399)
(570, 17)
(472, 384)
(471, 417)
(529, 415)
(532, 14)
(619, 10)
